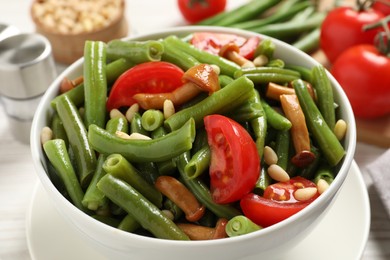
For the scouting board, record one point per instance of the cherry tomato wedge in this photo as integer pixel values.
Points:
(197, 10)
(212, 42)
(278, 202)
(150, 77)
(235, 163)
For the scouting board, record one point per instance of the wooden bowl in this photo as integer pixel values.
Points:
(68, 46)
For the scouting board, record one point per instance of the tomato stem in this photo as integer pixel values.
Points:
(381, 40)
(363, 4)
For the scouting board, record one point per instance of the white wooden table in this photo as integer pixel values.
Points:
(18, 179)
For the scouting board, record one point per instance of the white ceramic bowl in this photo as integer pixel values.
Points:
(271, 241)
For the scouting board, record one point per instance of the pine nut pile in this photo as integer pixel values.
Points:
(76, 16)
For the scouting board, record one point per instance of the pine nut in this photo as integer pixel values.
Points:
(168, 108)
(66, 16)
(277, 173)
(322, 186)
(340, 129)
(115, 113)
(260, 60)
(305, 193)
(270, 157)
(131, 111)
(46, 134)
(133, 136)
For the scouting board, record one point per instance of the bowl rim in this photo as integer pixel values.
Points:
(186, 30)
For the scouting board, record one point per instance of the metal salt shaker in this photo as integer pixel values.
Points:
(26, 70)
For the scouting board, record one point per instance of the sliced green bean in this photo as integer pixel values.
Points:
(143, 211)
(324, 172)
(259, 126)
(178, 57)
(152, 119)
(324, 92)
(78, 139)
(202, 193)
(155, 150)
(95, 83)
(227, 67)
(240, 225)
(267, 48)
(199, 163)
(221, 101)
(118, 166)
(324, 136)
(113, 222)
(264, 179)
(136, 125)
(135, 51)
(57, 154)
(282, 148)
(94, 198)
(57, 126)
(129, 224)
(275, 119)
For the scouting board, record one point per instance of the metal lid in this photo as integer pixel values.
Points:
(26, 66)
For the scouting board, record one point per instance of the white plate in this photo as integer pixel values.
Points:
(342, 234)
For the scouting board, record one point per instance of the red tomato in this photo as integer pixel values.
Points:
(278, 202)
(212, 42)
(235, 163)
(384, 8)
(342, 28)
(363, 73)
(149, 77)
(197, 10)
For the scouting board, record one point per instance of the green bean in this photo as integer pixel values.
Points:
(119, 167)
(282, 148)
(246, 12)
(224, 80)
(78, 139)
(309, 171)
(143, 211)
(304, 14)
(267, 48)
(259, 126)
(115, 68)
(264, 179)
(57, 126)
(246, 112)
(113, 222)
(166, 167)
(240, 225)
(200, 140)
(286, 11)
(155, 150)
(324, 136)
(136, 125)
(275, 119)
(202, 193)
(76, 95)
(178, 57)
(176, 211)
(303, 71)
(149, 171)
(276, 63)
(135, 51)
(263, 78)
(227, 67)
(95, 83)
(309, 41)
(199, 163)
(276, 70)
(57, 154)
(152, 119)
(94, 198)
(221, 101)
(324, 172)
(324, 92)
(286, 29)
(129, 224)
